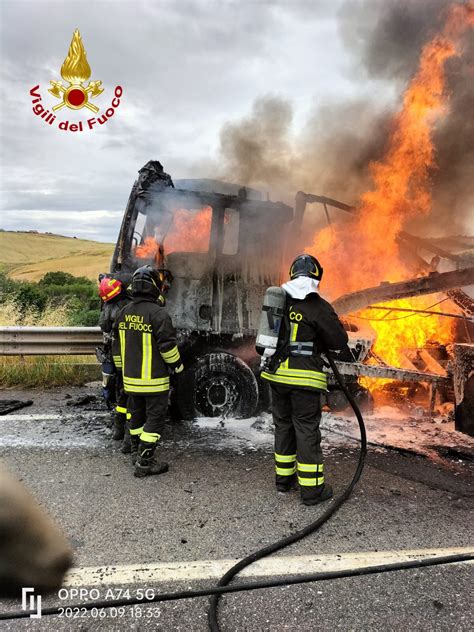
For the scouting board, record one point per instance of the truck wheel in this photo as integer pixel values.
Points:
(224, 386)
(338, 402)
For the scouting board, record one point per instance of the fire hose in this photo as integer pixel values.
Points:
(224, 588)
(313, 526)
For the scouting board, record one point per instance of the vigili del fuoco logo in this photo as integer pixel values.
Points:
(75, 95)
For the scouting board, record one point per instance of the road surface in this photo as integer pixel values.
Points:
(217, 503)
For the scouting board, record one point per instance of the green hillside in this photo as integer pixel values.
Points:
(29, 256)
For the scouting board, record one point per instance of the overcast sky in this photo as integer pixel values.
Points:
(186, 68)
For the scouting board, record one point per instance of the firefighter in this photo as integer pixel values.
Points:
(149, 354)
(114, 296)
(295, 373)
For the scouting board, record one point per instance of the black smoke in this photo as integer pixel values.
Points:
(330, 155)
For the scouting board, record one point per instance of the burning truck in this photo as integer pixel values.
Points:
(408, 301)
(224, 246)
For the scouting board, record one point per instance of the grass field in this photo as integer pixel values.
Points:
(43, 371)
(29, 256)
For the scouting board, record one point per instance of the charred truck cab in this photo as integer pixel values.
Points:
(224, 249)
(224, 246)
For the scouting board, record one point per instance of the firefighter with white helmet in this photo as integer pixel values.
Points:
(297, 325)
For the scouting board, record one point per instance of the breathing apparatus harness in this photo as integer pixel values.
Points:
(271, 363)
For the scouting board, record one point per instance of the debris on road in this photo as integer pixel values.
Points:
(10, 405)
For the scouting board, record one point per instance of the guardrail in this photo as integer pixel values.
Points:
(29, 341)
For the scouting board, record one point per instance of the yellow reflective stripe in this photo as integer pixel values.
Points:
(136, 431)
(285, 471)
(285, 458)
(129, 416)
(122, 345)
(303, 380)
(279, 379)
(170, 353)
(311, 482)
(146, 356)
(179, 368)
(146, 389)
(150, 437)
(120, 409)
(301, 372)
(173, 359)
(171, 356)
(294, 331)
(151, 382)
(311, 467)
(299, 375)
(117, 360)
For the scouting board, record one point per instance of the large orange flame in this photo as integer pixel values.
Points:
(364, 251)
(190, 232)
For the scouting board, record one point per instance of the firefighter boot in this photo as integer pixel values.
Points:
(127, 440)
(146, 465)
(324, 493)
(119, 427)
(127, 443)
(134, 442)
(285, 486)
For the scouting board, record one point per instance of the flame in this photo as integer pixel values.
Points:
(148, 249)
(189, 232)
(75, 68)
(363, 252)
(406, 331)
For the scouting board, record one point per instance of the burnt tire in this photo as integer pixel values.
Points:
(337, 401)
(224, 385)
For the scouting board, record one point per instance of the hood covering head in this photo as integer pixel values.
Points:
(301, 287)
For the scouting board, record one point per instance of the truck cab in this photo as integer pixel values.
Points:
(224, 249)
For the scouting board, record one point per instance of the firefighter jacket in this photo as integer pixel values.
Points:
(310, 326)
(148, 348)
(109, 312)
(107, 319)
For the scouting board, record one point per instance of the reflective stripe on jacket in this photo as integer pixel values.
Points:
(107, 321)
(314, 326)
(147, 347)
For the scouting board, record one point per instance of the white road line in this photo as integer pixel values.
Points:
(54, 416)
(214, 569)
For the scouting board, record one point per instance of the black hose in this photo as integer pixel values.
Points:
(270, 583)
(313, 526)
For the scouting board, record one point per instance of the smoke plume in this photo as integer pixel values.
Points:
(330, 155)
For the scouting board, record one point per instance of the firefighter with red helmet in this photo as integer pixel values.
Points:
(309, 326)
(149, 354)
(114, 296)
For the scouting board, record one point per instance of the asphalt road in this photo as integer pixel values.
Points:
(218, 503)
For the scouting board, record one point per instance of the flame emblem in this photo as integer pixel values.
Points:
(76, 70)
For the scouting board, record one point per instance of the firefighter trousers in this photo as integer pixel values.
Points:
(296, 415)
(121, 398)
(147, 415)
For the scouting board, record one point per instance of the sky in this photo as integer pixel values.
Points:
(186, 69)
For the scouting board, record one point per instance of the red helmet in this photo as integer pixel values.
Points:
(109, 288)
